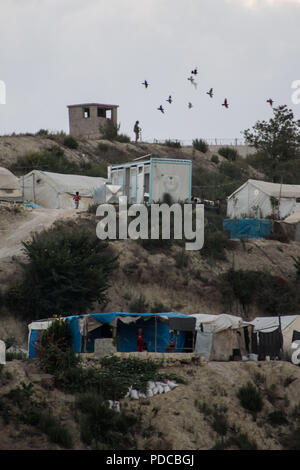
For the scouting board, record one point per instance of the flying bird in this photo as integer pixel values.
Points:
(225, 103)
(195, 71)
(169, 99)
(192, 80)
(145, 83)
(161, 109)
(270, 101)
(190, 105)
(210, 92)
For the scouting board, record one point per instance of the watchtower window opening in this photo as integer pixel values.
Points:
(108, 114)
(298, 199)
(86, 113)
(101, 112)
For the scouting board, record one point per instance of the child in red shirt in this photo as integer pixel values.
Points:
(77, 199)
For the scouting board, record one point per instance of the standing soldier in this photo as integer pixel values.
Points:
(137, 130)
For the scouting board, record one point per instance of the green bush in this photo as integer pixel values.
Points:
(102, 147)
(250, 398)
(292, 441)
(103, 427)
(67, 270)
(139, 305)
(215, 159)
(173, 143)
(201, 145)
(71, 142)
(242, 442)
(229, 153)
(215, 244)
(277, 418)
(52, 159)
(181, 260)
(123, 138)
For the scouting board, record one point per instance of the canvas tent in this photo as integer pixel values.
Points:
(10, 189)
(219, 335)
(56, 191)
(122, 326)
(260, 199)
(290, 327)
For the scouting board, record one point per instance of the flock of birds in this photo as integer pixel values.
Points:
(210, 93)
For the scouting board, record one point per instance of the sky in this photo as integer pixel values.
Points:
(59, 52)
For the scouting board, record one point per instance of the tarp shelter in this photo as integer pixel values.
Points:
(219, 335)
(56, 191)
(290, 326)
(10, 189)
(261, 199)
(247, 228)
(86, 328)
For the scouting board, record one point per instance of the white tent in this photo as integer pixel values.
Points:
(260, 199)
(219, 335)
(56, 191)
(10, 189)
(289, 324)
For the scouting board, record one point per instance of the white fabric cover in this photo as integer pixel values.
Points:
(253, 199)
(269, 324)
(218, 322)
(10, 188)
(2, 352)
(56, 191)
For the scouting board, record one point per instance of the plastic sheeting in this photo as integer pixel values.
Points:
(125, 331)
(56, 191)
(203, 344)
(247, 228)
(253, 200)
(10, 189)
(218, 323)
(2, 352)
(269, 324)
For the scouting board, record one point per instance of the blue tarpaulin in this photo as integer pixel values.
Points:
(247, 228)
(153, 325)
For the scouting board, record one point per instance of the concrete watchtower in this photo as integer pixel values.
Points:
(91, 119)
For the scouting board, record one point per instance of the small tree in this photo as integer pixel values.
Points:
(67, 270)
(278, 139)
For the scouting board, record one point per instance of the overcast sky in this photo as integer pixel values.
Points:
(59, 52)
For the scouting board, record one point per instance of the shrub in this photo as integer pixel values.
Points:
(292, 441)
(159, 307)
(139, 305)
(71, 142)
(215, 244)
(228, 152)
(52, 159)
(102, 147)
(243, 442)
(201, 145)
(215, 159)
(277, 418)
(250, 398)
(181, 259)
(104, 427)
(124, 138)
(173, 143)
(67, 269)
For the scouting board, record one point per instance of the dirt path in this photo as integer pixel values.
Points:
(20, 230)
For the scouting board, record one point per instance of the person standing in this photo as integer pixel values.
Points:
(137, 131)
(76, 199)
